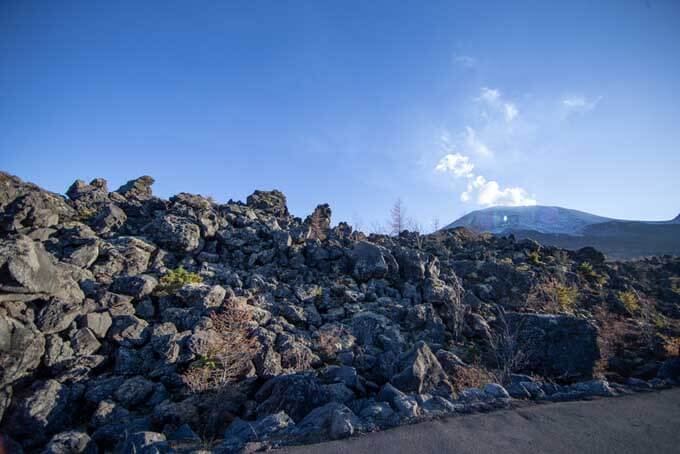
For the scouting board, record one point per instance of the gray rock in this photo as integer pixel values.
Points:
(133, 392)
(496, 391)
(101, 388)
(57, 315)
(371, 261)
(557, 345)
(145, 442)
(71, 442)
(108, 412)
(175, 413)
(202, 296)
(21, 348)
(136, 286)
(341, 424)
(333, 418)
(109, 219)
(296, 394)
(176, 233)
(84, 342)
(421, 372)
(405, 405)
(98, 322)
(518, 391)
(129, 331)
(96, 191)
(139, 188)
(595, 388)
(272, 202)
(45, 411)
(261, 429)
(30, 269)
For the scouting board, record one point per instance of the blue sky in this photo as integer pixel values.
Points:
(451, 106)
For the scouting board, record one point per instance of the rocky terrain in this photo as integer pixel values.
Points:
(129, 323)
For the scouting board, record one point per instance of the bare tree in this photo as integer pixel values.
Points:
(413, 226)
(510, 353)
(377, 228)
(435, 224)
(397, 217)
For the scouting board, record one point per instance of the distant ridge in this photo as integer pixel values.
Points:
(573, 229)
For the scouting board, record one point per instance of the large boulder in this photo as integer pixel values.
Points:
(31, 272)
(555, 345)
(272, 202)
(139, 188)
(44, 411)
(56, 315)
(420, 372)
(372, 261)
(35, 209)
(89, 194)
(296, 394)
(176, 233)
(21, 349)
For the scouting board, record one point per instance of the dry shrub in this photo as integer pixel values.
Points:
(231, 354)
(612, 334)
(509, 351)
(552, 296)
(470, 377)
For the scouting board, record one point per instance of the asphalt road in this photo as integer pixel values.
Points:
(641, 423)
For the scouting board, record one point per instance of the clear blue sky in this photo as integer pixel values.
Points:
(573, 103)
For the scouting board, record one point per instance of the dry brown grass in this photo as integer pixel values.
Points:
(470, 377)
(230, 356)
(553, 296)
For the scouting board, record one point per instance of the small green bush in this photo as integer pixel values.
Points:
(630, 301)
(173, 280)
(85, 213)
(566, 297)
(534, 258)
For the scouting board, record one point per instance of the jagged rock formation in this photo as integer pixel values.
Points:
(132, 323)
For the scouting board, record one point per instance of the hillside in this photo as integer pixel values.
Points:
(571, 229)
(130, 323)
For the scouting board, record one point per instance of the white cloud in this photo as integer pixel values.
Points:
(579, 103)
(465, 61)
(489, 193)
(510, 111)
(457, 164)
(473, 143)
(490, 95)
(483, 192)
(494, 99)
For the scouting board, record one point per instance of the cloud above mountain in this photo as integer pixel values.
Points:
(479, 189)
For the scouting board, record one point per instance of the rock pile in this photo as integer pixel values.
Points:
(131, 323)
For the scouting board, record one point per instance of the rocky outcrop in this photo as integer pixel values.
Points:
(557, 345)
(129, 323)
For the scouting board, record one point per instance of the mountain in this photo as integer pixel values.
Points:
(573, 229)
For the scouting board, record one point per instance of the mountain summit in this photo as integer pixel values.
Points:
(573, 229)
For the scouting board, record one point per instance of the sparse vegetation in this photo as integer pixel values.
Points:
(509, 350)
(630, 301)
(229, 355)
(534, 258)
(173, 280)
(85, 213)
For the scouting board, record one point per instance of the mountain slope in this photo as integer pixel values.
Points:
(572, 229)
(542, 219)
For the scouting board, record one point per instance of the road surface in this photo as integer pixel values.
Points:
(642, 423)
